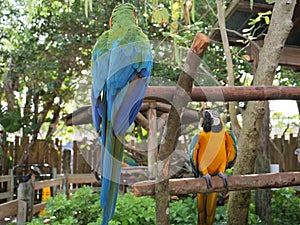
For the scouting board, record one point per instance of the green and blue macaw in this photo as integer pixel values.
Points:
(211, 152)
(121, 67)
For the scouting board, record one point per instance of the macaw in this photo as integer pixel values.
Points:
(121, 67)
(211, 152)
(128, 161)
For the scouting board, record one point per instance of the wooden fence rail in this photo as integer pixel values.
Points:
(9, 190)
(61, 184)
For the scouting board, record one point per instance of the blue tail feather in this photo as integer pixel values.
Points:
(111, 167)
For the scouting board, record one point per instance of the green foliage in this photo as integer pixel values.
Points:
(183, 211)
(133, 210)
(83, 208)
(285, 207)
(79, 209)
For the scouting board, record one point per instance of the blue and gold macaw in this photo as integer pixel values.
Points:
(211, 152)
(121, 67)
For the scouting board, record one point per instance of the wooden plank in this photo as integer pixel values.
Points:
(290, 56)
(5, 178)
(48, 183)
(39, 207)
(81, 178)
(8, 209)
(4, 195)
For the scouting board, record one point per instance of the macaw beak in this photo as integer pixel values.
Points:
(207, 118)
(211, 117)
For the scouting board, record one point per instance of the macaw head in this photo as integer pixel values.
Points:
(297, 152)
(123, 12)
(212, 121)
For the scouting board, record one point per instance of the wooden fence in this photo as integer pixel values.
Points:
(24, 208)
(84, 158)
(282, 153)
(49, 152)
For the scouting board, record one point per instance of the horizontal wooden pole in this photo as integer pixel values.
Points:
(8, 209)
(39, 207)
(203, 93)
(48, 183)
(5, 195)
(221, 93)
(81, 178)
(5, 178)
(235, 183)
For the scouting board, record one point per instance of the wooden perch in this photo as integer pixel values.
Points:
(220, 93)
(204, 93)
(235, 183)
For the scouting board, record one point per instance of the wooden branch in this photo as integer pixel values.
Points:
(142, 121)
(220, 93)
(134, 149)
(235, 183)
(171, 131)
(205, 93)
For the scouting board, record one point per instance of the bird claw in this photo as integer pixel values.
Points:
(208, 181)
(225, 179)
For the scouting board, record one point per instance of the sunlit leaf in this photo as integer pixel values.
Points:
(251, 4)
(176, 8)
(267, 20)
(270, 1)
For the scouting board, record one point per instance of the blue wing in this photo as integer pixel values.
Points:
(231, 148)
(120, 78)
(191, 155)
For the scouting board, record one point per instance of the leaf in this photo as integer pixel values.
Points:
(176, 11)
(270, 1)
(267, 20)
(251, 4)
(86, 7)
(11, 120)
(265, 13)
(254, 21)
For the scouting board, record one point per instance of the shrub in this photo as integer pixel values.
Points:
(285, 207)
(83, 208)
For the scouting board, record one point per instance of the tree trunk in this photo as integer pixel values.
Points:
(263, 196)
(235, 126)
(279, 28)
(298, 105)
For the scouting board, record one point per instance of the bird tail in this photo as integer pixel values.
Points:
(206, 204)
(112, 154)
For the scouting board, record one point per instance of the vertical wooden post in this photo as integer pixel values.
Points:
(25, 203)
(16, 151)
(10, 186)
(67, 170)
(54, 175)
(59, 155)
(75, 157)
(5, 158)
(152, 140)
